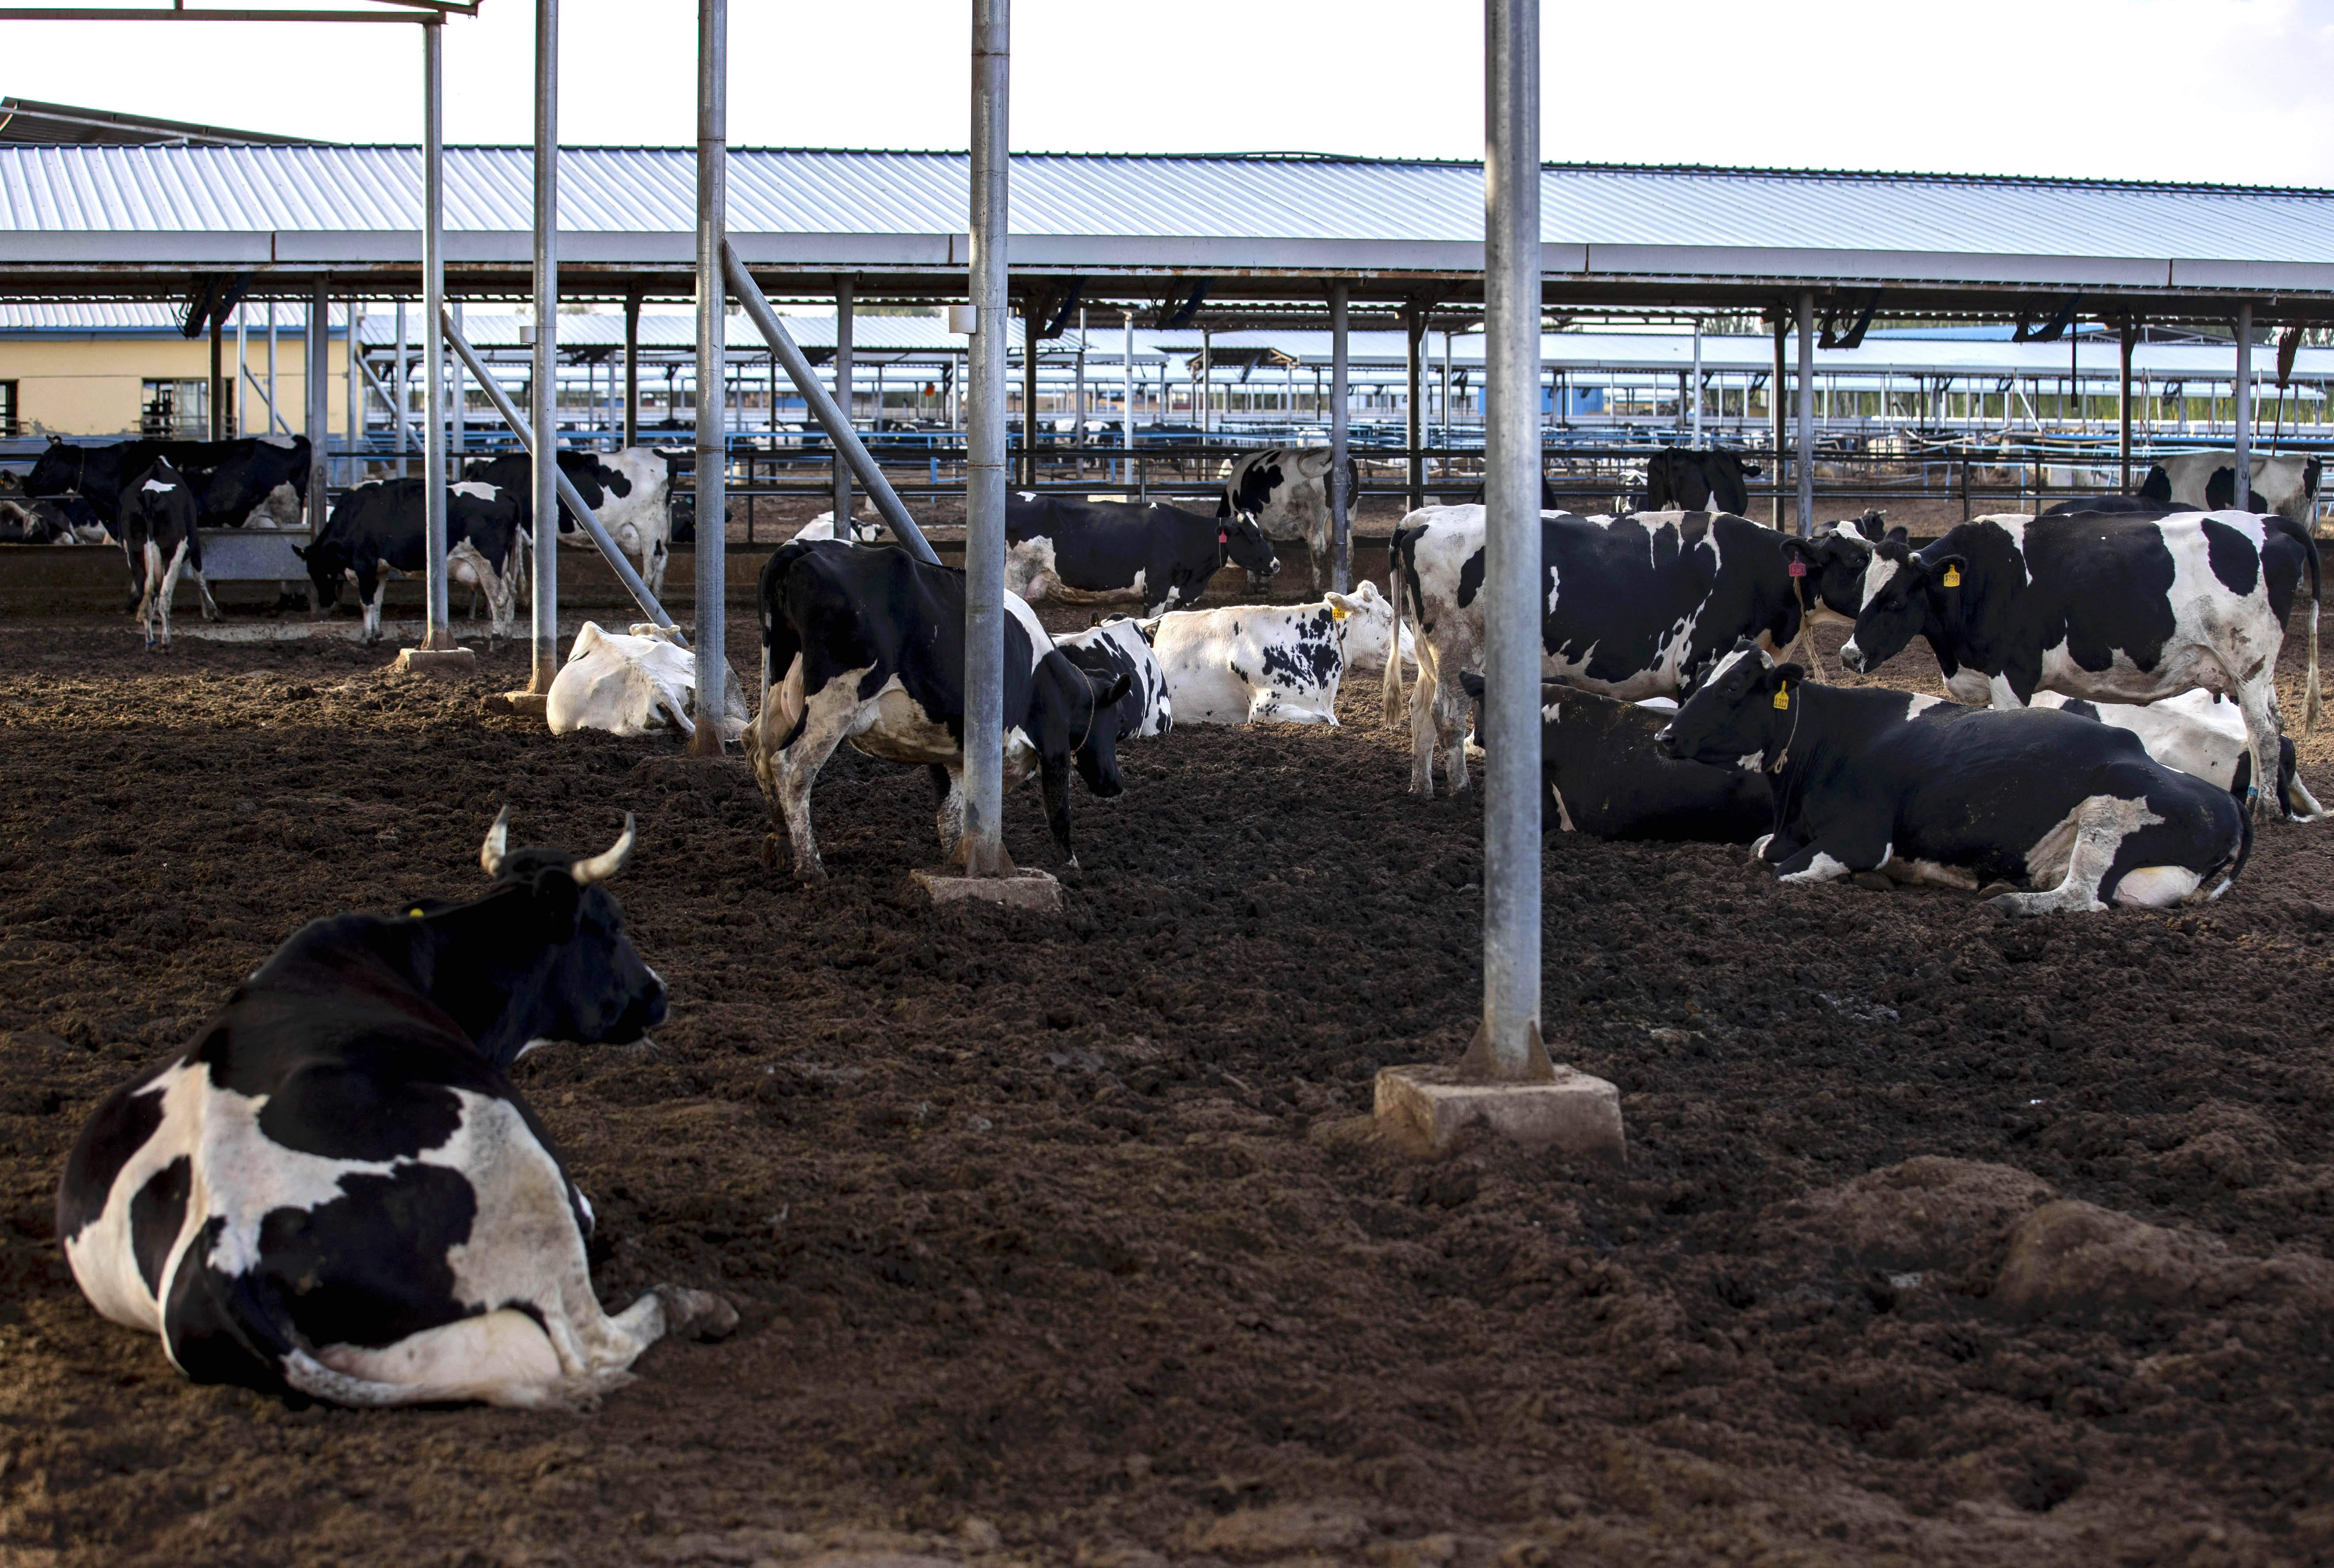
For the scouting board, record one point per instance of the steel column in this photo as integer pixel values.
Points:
(981, 849)
(317, 343)
(1126, 414)
(437, 630)
(712, 368)
(1775, 415)
(399, 391)
(272, 405)
(1693, 436)
(633, 371)
(1806, 410)
(2130, 339)
(2241, 398)
(355, 349)
(458, 401)
(1029, 330)
(842, 399)
(545, 387)
(1078, 403)
(1415, 335)
(216, 415)
(1507, 1047)
(242, 373)
(1341, 527)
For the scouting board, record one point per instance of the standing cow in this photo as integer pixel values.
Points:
(1106, 552)
(1686, 480)
(2285, 483)
(253, 478)
(2108, 607)
(1286, 489)
(377, 530)
(158, 533)
(628, 491)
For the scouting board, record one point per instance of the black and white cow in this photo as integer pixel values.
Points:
(336, 1191)
(1265, 664)
(862, 531)
(1636, 606)
(1120, 645)
(2112, 608)
(627, 490)
(1925, 790)
(66, 520)
(2199, 734)
(868, 646)
(376, 529)
(1690, 480)
(1607, 778)
(262, 479)
(1286, 491)
(159, 535)
(1103, 552)
(2285, 483)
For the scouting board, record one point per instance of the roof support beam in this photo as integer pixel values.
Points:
(712, 370)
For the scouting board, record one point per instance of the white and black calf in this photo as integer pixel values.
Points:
(1925, 790)
(1633, 608)
(1118, 646)
(1607, 775)
(1102, 552)
(629, 491)
(868, 646)
(2108, 607)
(2285, 483)
(1260, 663)
(159, 530)
(1286, 489)
(336, 1192)
(377, 528)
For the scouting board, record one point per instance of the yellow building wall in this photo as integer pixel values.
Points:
(71, 385)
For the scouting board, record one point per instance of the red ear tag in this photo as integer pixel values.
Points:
(1222, 538)
(1799, 568)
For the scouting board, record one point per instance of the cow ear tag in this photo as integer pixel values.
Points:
(1953, 576)
(1336, 614)
(1222, 538)
(1782, 697)
(1799, 568)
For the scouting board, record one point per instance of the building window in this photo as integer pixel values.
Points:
(181, 409)
(8, 409)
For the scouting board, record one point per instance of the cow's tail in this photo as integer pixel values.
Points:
(1391, 684)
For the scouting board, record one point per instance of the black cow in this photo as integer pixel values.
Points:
(376, 531)
(1636, 606)
(2107, 608)
(157, 513)
(831, 610)
(1681, 479)
(1286, 491)
(230, 479)
(1607, 779)
(627, 491)
(1097, 552)
(1923, 790)
(336, 1192)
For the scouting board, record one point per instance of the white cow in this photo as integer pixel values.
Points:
(1259, 663)
(630, 685)
(2286, 482)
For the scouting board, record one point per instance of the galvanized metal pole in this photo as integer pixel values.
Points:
(458, 402)
(1693, 436)
(352, 353)
(1029, 330)
(272, 419)
(317, 341)
(545, 381)
(1078, 403)
(2241, 399)
(981, 850)
(216, 415)
(1341, 527)
(1507, 1047)
(633, 372)
(712, 369)
(1807, 417)
(1126, 413)
(842, 399)
(398, 390)
(243, 375)
(1414, 335)
(2130, 339)
(1776, 417)
(437, 630)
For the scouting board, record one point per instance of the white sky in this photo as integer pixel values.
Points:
(2215, 90)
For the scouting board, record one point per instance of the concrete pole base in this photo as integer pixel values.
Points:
(440, 663)
(1035, 891)
(525, 704)
(1423, 1107)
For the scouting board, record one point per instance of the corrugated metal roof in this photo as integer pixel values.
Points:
(1125, 212)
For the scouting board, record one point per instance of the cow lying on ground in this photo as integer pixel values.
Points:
(1259, 663)
(335, 1191)
(632, 684)
(1100, 552)
(2199, 734)
(1607, 777)
(68, 520)
(863, 530)
(1925, 790)
(627, 490)
(1286, 491)
(2285, 483)
(258, 479)
(1120, 645)
(2108, 607)
(868, 646)
(159, 534)
(376, 529)
(1636, 607)
(1692, 480)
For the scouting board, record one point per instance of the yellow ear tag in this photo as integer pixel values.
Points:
(1953, 576)
(1336, 614)
(1782, 697)
(413, 913)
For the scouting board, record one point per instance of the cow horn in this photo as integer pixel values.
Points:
(497, 844)
(608, 862)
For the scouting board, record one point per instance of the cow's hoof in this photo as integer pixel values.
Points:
(698, 1312)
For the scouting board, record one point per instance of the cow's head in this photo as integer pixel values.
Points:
(1742, 715)
(557, 951)
(1238, 537)
(1904, 597)
(57, 470)
(1836, 562)
(1368, 628)
(327, 561)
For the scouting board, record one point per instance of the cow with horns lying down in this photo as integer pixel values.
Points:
(335, 1191)
(1925, 790)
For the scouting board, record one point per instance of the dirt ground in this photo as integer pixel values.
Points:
(1944, 1238)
